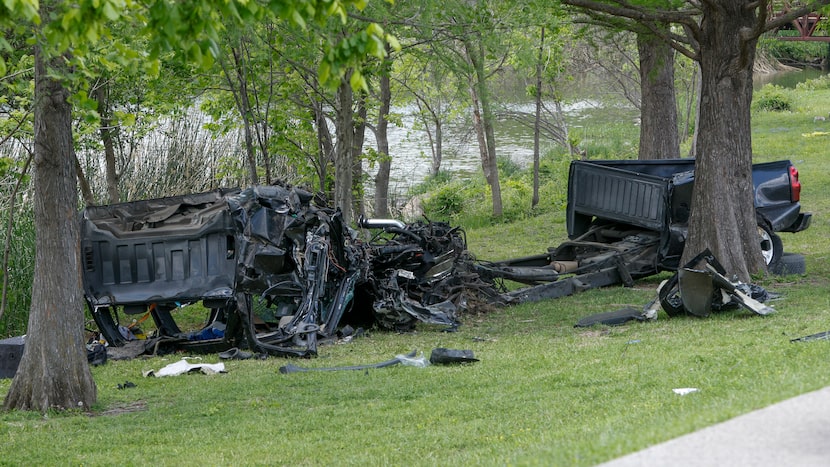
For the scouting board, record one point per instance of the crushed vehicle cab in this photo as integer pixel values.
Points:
(276, 268)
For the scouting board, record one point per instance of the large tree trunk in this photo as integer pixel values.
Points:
(343, 160)
(53, 371)
(658, 105)
(382, 137)
(722, 217)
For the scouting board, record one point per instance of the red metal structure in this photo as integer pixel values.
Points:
(806, 25)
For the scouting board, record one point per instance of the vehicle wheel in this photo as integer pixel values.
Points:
(771, 246)
(790, 263)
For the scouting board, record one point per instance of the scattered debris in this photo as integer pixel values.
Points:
(96, 353)
(286, 369)
(691, 291)
(685, 391)
(443, 356)
(235, 354)
(11, 351)
(612, 318)
(182, 366)
(417, 361)
(127, 384)
(701, 287)
(813, 337)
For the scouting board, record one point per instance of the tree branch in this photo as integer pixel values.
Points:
(788, 17)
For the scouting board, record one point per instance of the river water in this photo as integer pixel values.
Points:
(412, 159)
(410, 150)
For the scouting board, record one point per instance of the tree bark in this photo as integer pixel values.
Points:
(325, 146)
(343, 160)
(382, 137)
(53, 371)
(102, 97)
(722, 218)
(86, 190)
(239, 89)
(537, 119)
(659, 137)
(358, 135)
(483, 119)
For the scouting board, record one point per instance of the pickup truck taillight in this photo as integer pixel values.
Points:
(795, 185)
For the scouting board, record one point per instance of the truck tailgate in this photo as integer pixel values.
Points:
(613, 194)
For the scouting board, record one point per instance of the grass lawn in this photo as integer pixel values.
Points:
(543, 392)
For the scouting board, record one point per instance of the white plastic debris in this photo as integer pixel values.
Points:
(182, 367)
(684, 391)
(419, 362)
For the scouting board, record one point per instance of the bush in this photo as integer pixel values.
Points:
(431, 182)
(816, 84)
(773, 98)
(445, 202)
(21, 268)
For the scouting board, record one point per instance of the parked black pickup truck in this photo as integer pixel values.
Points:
(656, 196)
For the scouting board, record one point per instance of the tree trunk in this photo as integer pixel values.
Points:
(106, 131)
(722, 217)
(429, 118)
(658, 105)
(358, 135)
(382, 136)
(483, 119)
(53, 371)
(343, 160)
(86, 190)
(325, 147)
(243, 105)
(537, 121)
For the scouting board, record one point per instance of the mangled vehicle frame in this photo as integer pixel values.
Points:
(279, 270)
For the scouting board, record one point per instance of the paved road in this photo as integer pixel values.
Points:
(795, 432)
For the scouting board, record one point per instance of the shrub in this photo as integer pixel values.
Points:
(816, 84)
(773, 98)
(444, 203)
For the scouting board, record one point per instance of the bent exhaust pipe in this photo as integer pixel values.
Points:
(366, 223)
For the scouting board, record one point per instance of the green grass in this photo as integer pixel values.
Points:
(543, 392)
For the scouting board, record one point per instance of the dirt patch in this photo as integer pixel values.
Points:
(136, 406)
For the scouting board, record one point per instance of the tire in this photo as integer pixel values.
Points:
(771, 246)
(790, 263)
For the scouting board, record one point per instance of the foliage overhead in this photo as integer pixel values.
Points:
(192, 28)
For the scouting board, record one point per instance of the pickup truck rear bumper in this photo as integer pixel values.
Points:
(801, 222)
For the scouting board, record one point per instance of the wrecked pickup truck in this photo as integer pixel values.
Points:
(275, 268)
(629, 218)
